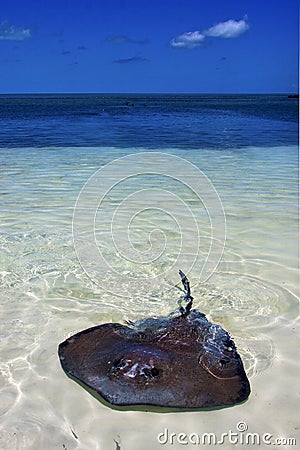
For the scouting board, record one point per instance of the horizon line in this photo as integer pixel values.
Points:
(150, 93)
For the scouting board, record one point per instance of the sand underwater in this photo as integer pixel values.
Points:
(46, 295)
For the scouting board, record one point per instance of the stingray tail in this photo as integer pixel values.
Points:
(187, 297)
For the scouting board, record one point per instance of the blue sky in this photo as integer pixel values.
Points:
(176, 46)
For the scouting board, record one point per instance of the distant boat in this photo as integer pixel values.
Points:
(293, 96)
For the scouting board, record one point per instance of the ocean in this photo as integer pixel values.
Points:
(103, 199)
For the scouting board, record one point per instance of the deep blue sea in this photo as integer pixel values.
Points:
(103, 198)
(148, 121)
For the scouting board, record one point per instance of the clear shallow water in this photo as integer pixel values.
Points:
(46, 296)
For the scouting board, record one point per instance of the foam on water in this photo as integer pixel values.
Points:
(46, 296)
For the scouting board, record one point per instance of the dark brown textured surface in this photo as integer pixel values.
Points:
(180, 361)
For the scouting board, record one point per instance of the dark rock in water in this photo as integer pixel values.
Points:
(293, 96)
(180, 361)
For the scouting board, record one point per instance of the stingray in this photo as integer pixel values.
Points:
(179, 361)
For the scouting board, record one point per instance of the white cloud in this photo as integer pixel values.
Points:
(229, 29)
(190, 39)
(13, 32)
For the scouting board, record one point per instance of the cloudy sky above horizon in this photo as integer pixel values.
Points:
(140, 46)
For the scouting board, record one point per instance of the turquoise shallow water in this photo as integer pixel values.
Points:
(47, 294)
